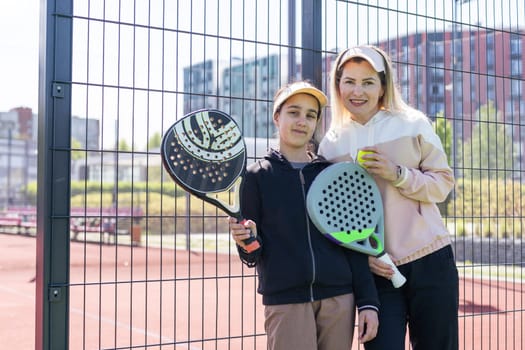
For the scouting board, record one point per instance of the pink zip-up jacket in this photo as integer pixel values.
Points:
(413, 224)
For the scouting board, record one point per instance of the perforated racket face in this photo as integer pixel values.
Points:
(204, 152)
(345, 204)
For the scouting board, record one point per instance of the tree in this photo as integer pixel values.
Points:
(155, 141)
(444, 131)
(488, 153)
(155, 171)
(76, 155)
(123, 145)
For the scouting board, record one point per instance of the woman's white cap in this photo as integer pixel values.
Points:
(300, 87)
(367, 53)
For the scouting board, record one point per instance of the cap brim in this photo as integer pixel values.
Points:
(318, 94)
(311, 91)
(367, 53)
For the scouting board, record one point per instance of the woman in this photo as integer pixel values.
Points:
(309, 285)
(406, 158)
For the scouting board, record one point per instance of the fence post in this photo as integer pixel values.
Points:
(312, 41)
(54, 176)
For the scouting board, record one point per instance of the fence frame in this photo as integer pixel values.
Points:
(54, 175)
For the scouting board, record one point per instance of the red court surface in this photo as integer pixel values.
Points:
(127, 296)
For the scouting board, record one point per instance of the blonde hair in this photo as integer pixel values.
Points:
(391, 101)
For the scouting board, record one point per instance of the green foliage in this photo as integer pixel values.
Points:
(444, 131)
(94, 189)
(31, 190)
(76, 155)
(123, 145)
(488, 207)
(488, 153)
(155, 141)
(155, 173)
(84, 187)
(487, 202)
(166, 214)
(483, 208)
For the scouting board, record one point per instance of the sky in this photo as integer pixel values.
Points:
(19, 21)
(19, 42)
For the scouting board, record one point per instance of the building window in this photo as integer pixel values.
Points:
(515, 46)
(437, 74)
(491, 95)
(473, 56)
(515, 67)
(490, 40)
(515, 89)
(435, 108)
(490, 60)
(436, 52)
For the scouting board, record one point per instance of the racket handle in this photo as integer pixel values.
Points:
(251, 244)
(397, 279)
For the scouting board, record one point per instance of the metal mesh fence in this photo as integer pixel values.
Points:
(149, 266)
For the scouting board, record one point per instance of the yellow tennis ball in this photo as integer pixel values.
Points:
(360, 155)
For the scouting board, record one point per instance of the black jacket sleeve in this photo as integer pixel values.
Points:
(250, 210)
(365, 291)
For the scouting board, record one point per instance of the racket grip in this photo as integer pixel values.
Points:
(251, 244)
(397, 279)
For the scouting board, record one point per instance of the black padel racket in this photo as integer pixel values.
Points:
(204, 153)
(344, 203)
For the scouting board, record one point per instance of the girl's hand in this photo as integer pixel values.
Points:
(368, 325)
(240, 232)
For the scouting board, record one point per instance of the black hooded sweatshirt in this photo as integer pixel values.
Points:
(296, 263)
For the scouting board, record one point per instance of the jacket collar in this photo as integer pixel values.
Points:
(275, 155)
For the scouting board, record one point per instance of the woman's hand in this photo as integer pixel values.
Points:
(376, 163)
(240, 232)
(380, 268)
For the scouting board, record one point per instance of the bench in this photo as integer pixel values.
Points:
(27, 226)
(100, 221)
(106, 228)
(23, 218)
(10, 223)
(16, 224)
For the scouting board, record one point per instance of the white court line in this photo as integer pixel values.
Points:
(104, 320)
(17, 293)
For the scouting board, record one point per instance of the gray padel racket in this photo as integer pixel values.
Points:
(204, 152)
(345, 204)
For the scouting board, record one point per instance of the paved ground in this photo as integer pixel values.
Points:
(125, 296)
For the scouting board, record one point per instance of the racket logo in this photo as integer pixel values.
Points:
(209, 138)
